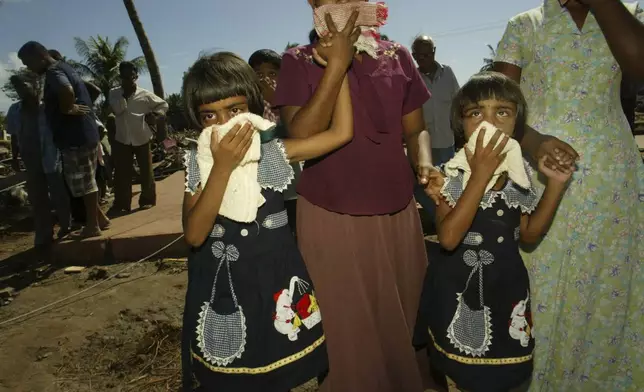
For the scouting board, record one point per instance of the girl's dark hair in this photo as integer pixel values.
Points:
(482, 86)
(220, 76)
(265, 56)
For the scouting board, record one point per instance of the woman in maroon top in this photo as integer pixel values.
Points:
(357, 223)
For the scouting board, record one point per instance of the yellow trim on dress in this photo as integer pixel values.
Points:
(480, 361)
(264, 369)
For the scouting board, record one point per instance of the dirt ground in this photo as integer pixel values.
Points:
(122, 335)
(120, 330)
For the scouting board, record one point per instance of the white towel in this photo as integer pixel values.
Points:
(243, 194)
(513, 163)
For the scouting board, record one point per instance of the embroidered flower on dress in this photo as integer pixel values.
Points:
(391, 51)
(299, 53)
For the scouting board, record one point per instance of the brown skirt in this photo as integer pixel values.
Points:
(368, 273)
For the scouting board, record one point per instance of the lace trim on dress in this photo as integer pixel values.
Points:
(274, 171)
(513, 195)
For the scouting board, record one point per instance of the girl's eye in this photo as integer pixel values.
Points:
(208, 118)
(503, 113)
(235, 111)
(475, 113)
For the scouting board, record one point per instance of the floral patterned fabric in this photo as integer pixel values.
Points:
(588, 287)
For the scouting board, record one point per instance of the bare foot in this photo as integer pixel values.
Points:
(90, 232)
(104, 223)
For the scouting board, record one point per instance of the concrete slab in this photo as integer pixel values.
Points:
(135, 236)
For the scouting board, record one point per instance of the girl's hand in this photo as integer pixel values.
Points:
(338, 45)
(434, 185)
(485, 160)
(233, 147)
(559, 154)
(554, 174)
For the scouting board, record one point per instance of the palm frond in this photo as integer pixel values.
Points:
(140, 64)
(81, 46)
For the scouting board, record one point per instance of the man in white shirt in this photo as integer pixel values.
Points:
(133, 108)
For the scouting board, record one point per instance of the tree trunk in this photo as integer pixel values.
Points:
(150, 59)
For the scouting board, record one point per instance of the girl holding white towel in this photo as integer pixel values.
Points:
(251, 319)
(476, 302)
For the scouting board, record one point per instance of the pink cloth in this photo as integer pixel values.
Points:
(371, 16)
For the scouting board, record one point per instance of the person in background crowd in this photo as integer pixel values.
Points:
(72, 121)
(266, 64)
(587, 282)
(32, 141)
(77, 205)
(133, 107)
(103, 170)
(358, 227)
(92, 89)
(442, 84)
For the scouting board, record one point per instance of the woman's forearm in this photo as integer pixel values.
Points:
(530, 142)
(315, 116)
(339, 133)
(624, 35)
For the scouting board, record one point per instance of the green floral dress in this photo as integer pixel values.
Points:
(587, 282)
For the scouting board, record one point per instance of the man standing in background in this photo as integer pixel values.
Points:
(442, 84)
(133, 108)
(72, 121)
(32, 140)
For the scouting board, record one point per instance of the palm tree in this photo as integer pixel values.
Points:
(175, 114)
(150, 58)
(489, 61)
(101, 59)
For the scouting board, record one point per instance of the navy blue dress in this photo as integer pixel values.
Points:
(475, 308)
(251, 320)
